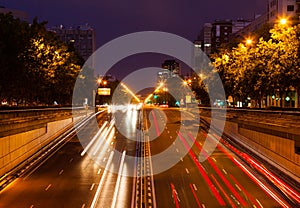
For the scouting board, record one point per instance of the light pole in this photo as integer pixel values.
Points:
(165, 90)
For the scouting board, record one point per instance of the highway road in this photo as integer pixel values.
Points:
(99, 174)
(219, 181)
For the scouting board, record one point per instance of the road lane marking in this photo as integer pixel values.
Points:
(31, 206)
(258, 182)
(48, 187)
(99, 171)
(195, 195)
(83, 206)
(168, 132)
(194, 186)
(238, 187)
(177, 150)
(71, 160)
(181, 159)
(259, 203)
(175, 195)
(113, 205)
(171, 137)
(187, 171)
(102, 180)
(202, 171)
(92, 186)
(223, 191)
(224, 171)
(255, 204)
(61, 172)
(214, 159)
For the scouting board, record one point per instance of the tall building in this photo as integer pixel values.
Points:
(172, 66)
(16, 13)
(213, 35)
(276, 9)
(205, 38)
(83, 38)
(257, 23)
(282, 8)
(240, 24)
(220, 32)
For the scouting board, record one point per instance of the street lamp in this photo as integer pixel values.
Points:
(283, 21)
(165, 90)
(249, 41)
(99, 81)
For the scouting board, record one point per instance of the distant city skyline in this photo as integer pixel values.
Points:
(114, 19)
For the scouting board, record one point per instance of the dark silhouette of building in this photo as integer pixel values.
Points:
(220, 33)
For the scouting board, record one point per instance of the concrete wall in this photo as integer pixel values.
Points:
(277, 150)
(280, 150)
(16, 148)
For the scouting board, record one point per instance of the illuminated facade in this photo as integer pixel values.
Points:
(282, 8)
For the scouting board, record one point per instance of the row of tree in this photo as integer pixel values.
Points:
(268, 65)
(36, 67)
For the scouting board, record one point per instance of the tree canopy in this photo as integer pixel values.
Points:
(36, 67)
(257, 70)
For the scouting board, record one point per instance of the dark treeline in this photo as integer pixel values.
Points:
(36, 68)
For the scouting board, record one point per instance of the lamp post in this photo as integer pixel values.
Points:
(165, 90)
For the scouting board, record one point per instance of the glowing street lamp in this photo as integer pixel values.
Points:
(249, 41)
(283, 21)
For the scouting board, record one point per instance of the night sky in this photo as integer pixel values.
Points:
(112, 18)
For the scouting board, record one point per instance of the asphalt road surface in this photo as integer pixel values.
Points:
(98, 174)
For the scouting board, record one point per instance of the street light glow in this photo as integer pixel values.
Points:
(249, 41)
(161, 84)
(283, 21)
(130, 92)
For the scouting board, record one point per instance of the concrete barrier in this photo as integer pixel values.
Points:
(16, 148)
(279, 151)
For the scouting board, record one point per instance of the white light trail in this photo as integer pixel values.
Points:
(118, 180)
(94, 139)
(102, 180)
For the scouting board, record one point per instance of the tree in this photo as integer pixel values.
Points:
(36, 67)
(272, 64)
